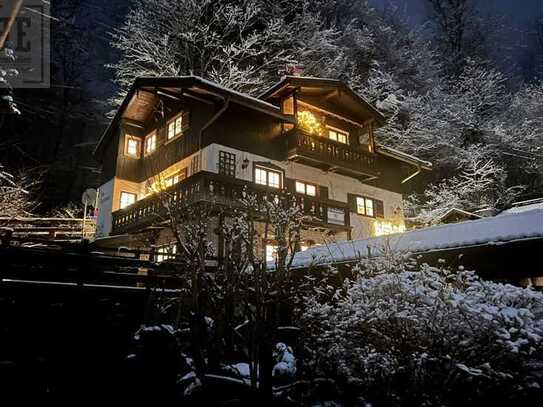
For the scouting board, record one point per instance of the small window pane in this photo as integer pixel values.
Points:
(360, 206)
(132, 147)
(311, 190)
(369, 207)
(300, 187)
(178, 125)
(150, 144)
(260, 176)
(127, 199)
(342, 138)
(332, 135)
(171, 130)
(274, 179)
(227, 164)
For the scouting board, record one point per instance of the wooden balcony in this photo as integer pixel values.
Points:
(330, 155)
(226, 192)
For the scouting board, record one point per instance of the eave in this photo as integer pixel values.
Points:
(336, 87)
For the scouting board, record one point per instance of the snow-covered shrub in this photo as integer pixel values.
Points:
(426, 337)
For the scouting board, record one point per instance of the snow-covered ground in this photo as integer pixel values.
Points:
(498, 229)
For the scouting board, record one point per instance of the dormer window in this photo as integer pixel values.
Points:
(132, 146)
(338, 135)
(175, 127)
(150, 143)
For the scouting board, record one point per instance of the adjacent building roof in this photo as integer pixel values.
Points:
(455, 215)
(492, 230)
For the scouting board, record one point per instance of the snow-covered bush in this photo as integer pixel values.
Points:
(426, 336)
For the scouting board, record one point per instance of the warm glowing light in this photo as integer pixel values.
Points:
(308, 122)
(383, 228)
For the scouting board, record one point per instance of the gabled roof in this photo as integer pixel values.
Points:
(458, 212)
(142, 96)
(334, 90)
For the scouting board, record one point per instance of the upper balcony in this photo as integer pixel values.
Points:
(330, 155)
(226, 192)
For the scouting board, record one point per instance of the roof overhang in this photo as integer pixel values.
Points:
(146, 91)
(329, 91)
(407, 158)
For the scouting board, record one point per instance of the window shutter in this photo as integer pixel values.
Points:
(290, 184)
(322, 192)
(379, 208)
(186, 123)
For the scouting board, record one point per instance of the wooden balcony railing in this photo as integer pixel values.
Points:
(330, 155)
(226, 191)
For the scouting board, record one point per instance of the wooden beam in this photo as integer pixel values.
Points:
(11, 21)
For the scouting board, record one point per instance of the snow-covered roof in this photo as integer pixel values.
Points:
(459, 212)
(524, 206)
(492, 230)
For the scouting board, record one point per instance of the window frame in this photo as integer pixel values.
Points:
(135, 195)
(305, 185)
(268, 170)
(177, 133)
(337, 132)
(127, 139)
(227, 164)
(149, 136)
(365, 205)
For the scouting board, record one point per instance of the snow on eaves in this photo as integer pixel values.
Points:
(497, 229)
(524, 206)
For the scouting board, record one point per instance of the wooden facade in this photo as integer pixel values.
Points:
(185, 129)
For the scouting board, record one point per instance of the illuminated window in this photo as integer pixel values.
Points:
(271, 178)
(175, 178)
(127, 199)
(150, 143)
(339, 136)
(166, 253)
(306, 189)
(175, 127)
(271, 252)
(364, 206)
(132, 146)
(383, 228)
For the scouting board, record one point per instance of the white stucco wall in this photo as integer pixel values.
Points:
(338, 186)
